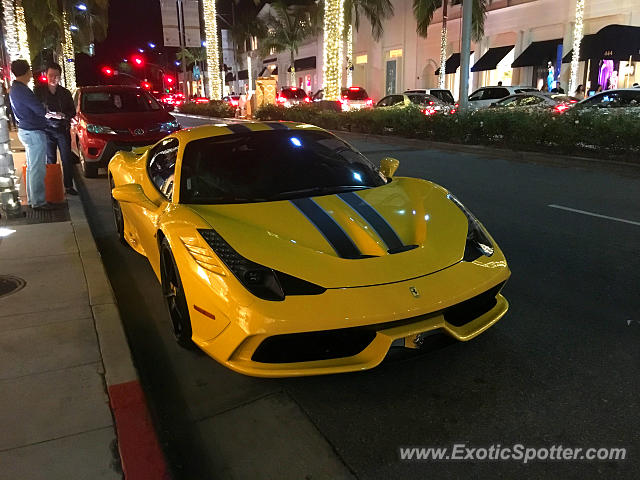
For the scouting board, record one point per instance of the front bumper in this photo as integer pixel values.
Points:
(389, 312)
(100, 153)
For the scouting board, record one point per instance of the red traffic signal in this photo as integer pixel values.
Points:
(43, 78)
(145, 85)
(138, 60)
(108, 71)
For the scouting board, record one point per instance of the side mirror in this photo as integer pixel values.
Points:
(133, 193)
(388, 166)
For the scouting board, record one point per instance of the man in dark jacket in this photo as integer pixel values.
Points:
(60, 110)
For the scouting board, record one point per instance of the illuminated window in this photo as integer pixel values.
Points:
(395, 53)
(360, 59)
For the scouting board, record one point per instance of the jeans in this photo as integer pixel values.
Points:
(35, 144)
(60, 139)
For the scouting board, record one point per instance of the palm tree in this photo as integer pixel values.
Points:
(9, 22)
(423, 11)
(246, 25)
(288, 28)
(375, 11)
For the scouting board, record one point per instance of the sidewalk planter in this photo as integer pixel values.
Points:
(215, 108)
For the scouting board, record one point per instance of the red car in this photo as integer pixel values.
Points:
(112, 118)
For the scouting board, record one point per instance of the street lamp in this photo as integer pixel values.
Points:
(73, 28)
(82, 7)
(152, 45)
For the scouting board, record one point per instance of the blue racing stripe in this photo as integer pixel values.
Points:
(328, 227)
(373, 218)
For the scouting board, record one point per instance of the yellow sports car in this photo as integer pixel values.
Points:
(283, 251)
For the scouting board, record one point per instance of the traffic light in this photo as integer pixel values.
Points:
(107, 71)
(138, 60)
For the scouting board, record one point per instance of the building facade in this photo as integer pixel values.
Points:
(526, 42)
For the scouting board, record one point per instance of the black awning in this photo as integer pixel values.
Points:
(613, 42)
(243, 75)
(270, 60)
(452, 64)
(229, 77)
(307, 63)
(490, 60)
(538, 53)
(586, 41)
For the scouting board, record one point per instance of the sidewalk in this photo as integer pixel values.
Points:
(72, 406)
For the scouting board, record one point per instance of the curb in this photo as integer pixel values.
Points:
(141, 456)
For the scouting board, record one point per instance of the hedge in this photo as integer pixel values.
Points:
(215, 108)
(611, 132)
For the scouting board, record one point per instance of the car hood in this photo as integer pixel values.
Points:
(281, 236)
(128, 120)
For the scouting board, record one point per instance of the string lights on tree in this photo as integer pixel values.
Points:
(350, 56)
(11, 33)
(332, 51)
(578, 30)
(443, 44)
(68, 53)
(213, 60)
(21, 27)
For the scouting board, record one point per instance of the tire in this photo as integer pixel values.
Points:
(175, 300)
(89, 170)
(118, 217)
(74, 155)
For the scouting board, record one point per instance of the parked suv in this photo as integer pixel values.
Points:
(290, 96)
(112, 118)
(441, 94)
(485, 96)
(351, 98)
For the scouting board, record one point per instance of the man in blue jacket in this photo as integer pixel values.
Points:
(30, 115)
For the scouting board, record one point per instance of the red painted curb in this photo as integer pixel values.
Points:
(140, 451)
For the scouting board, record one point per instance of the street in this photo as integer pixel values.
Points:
(561, 368)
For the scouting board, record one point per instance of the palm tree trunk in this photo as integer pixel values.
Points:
(11, 38)
(577, 39)
(292, 77)
(443, 45)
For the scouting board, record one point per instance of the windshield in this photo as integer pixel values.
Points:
(272, 165)
(297, 93)
(353, 94)
(119, 101)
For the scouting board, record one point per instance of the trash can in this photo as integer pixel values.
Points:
(54, 189)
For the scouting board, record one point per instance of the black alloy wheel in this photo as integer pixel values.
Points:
(175, 299)
(89, 170)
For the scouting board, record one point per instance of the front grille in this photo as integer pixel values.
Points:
(310, 346)
(347, 342)
(471, 309)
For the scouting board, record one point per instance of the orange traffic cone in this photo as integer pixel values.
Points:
(54, 190)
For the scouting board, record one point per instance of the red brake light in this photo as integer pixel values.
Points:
(281, 99)
(428, 111)
(573, 101)
(369, 102)
(561, 108)
(43, 78)
(234, 103)
(294, 88)
(307, 99)
(354, 89)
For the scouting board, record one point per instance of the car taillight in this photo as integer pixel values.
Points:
(281, 99)
(307, 99)
(428, 111)
(354, 89)
(369, 102)
(561, 108)
(573, 101)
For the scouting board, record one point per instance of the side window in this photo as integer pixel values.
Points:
(385, 102)
(397, 99)
(162, 166)
(496, 93)
(478, 94)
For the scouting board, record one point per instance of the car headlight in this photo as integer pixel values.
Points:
(478, 242)
(170, 126)
(261, 281)
(91, 128)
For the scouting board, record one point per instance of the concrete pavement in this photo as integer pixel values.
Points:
(71, 402)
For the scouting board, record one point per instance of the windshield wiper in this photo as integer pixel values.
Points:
(327, 190)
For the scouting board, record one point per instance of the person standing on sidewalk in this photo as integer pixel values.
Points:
(30, 116)
(61, 109)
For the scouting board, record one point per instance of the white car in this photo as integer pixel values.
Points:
(485, 96)
(441, 94)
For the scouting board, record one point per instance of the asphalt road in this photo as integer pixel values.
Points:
(562, 368)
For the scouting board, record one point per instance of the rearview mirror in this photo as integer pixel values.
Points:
(133, 193)
(388, 166)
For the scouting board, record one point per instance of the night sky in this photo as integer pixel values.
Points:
(132, 25)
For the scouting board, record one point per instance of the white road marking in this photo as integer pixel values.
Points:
(583, 212)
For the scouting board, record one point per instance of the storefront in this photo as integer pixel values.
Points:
(495, 66)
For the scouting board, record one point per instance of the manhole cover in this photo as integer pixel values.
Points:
(9, 284)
